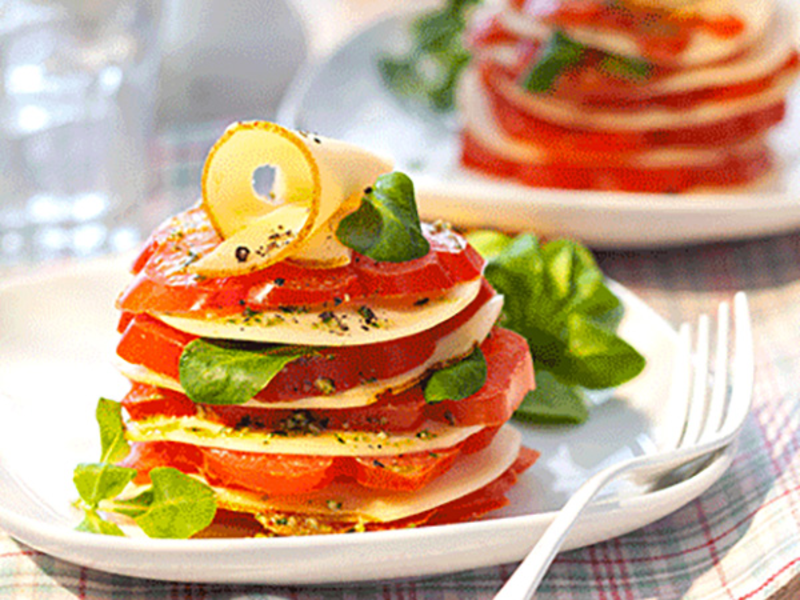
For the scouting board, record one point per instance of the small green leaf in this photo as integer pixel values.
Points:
(215, 372)
(429, 71)
(386, 226)
(131, 507)
(98, 481)
(553, 403)
(94, 523)
(487, 242)
(560, 54)
(181, 506)
(113, 445)
(458, 381)
(597, 358)
(633, 69)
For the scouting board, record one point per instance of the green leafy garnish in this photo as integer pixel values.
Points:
(216, 372)
(180, 507)
(623, 67)
(553, 403)
(561, 54)
(556, 297)
(428, 73)
(457, 381)
(386, 226)
(175, 505)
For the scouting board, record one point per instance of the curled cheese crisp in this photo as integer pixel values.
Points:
(317, 181)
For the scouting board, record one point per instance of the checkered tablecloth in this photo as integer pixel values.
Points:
(739, 541)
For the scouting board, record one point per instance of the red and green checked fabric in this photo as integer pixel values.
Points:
(739, 541)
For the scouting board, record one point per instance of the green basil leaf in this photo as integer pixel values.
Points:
(181, 506)
(553, 403)
(386, 226)
(556, 298)
(458, 381)
(560, 54)
(94, 523)
(429, 71)
(488, 243)
(131, 507)
(623, 67)
(113, 445)
(216, 372)
(596, 358)
(98, 481)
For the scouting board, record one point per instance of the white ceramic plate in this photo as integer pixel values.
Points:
(57, 338)
(343, 97)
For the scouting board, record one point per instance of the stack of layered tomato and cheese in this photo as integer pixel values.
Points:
(342, 437)
(638, 95)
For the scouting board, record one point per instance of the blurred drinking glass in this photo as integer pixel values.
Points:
(78, 82)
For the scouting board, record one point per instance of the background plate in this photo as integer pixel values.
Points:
(57, 338)
(343, 97)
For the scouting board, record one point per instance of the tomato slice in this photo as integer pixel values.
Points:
(285, 474)
(277, 474)
(510, 377)
(733, 170)
(149, 342)
(163, 283)
(403, 473)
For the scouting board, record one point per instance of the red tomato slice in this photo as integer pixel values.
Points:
(735, 170)
(149, 342)
(403, 473)
(269, 473)
(510, 377)
(164, 284)
(284, 474)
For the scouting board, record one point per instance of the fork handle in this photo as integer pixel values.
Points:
(529, 574)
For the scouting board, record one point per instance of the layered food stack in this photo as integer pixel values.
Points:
(313, 387)
(639, 95)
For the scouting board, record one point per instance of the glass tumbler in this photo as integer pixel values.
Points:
(78, 81)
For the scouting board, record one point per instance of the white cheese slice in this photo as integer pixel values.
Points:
(197, 431)
(349, 325)
(455, 344)
(341, 501)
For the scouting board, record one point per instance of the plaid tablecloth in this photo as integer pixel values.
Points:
(739, 541)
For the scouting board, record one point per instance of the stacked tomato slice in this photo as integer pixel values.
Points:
(342, 439)
(659, 100)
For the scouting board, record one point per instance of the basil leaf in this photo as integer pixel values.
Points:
(596, 358)
(553, 403)
(181, 506)
(560, 54)
(488, 243)
(131, 507)
(98, 481)
(429, 71)
(458, 381)
(386, 226)
(113, 445)
(634, 69)
(215, 372)
(556, 298)
(94, 523)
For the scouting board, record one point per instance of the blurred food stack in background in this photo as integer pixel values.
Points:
(633, 95)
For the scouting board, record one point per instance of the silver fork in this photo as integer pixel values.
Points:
(712, 421)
